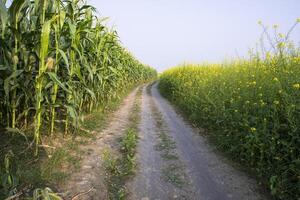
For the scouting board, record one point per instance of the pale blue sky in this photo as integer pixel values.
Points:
(164, 33)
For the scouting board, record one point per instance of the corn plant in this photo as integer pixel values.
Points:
(57, 62)
(9, 180)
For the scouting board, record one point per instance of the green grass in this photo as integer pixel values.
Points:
(120, 166)
(166, 143)
(172, 173)
(54, 164)
(47, 169)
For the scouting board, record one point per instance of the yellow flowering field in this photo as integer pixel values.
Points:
(251, 109)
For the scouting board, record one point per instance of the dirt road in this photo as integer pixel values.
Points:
(176, 162)
(173, 160)
(88, 181)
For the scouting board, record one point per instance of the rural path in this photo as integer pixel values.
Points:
(176, 162)
(88, 182)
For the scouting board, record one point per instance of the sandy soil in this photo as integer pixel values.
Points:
(88, 181)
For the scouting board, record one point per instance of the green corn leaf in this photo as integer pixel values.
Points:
(2, 68)
(113, 70)
(14, 10)
(16, 131)
(64, 56)
(54, 196)
(7, 82)
(56, 80)
(72, 29)
(90, 92)
(62, 18)
(45, 35)
(72, 113)
(3, 17)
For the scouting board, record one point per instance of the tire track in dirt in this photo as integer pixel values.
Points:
(160, 173)
(91, 175)
(146, 184)
(208, 176)
(211, 175)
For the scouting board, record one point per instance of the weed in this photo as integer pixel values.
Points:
(120, 167)
(173, 173)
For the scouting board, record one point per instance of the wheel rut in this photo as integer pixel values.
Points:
(89, 180)
(160, 174)
(176, 162)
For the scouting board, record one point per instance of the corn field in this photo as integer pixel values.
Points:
(251, 109)
(57, 61)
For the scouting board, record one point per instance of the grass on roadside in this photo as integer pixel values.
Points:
(121, 165)
(119, 168)
(59, 156)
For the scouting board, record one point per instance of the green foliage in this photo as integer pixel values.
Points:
(129, 142)
(251, 108)
(44, 194)
(50, 170)
(57, 62)
(120, 167)
(9, 179)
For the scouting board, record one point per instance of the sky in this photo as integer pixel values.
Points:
(165, 33)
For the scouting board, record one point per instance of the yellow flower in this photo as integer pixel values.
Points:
(275, 79)
(262, 103)
(281, 35)
(296, 59)
(298, 20)
(281, 44)
(252, 129)
(296, 86)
